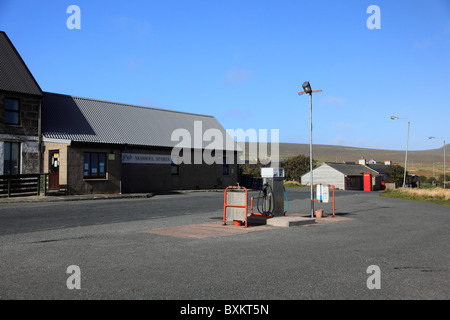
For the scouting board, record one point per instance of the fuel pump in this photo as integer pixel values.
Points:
(273, 193)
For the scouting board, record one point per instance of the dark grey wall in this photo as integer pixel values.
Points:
(143, 178)
(158, 177)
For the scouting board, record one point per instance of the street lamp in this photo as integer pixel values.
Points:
(444, 154)
(307, 89)
(406, 155)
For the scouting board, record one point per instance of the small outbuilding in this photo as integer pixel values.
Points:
(343, 176)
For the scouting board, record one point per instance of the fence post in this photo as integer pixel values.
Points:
(45, 183)
(9, 188)
(39, 185)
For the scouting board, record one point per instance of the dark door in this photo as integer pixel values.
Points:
(53, 179)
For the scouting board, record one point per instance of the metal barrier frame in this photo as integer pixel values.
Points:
(257, 214)
(333, 201)
(225, 205)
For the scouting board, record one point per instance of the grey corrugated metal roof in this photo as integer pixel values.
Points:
(380, 168)
(14, 74)
(352, 169)
(87, 120)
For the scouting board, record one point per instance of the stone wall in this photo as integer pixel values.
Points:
(26, 132)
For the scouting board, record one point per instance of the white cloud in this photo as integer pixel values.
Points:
(131, 65)
(236, 75)
(344, 126)
(139, 27)
(423, 44)
(339, 141)
(149, 102)
(333, 100)
(447, 28)
(235, 113)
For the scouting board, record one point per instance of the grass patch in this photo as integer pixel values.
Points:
(436, 195)
(294, 184)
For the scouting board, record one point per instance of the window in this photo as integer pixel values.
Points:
(175, 168)
(11, 164)
(11, 111)
(225, 167)
(94, 165)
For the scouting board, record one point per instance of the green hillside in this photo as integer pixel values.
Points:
(419, 162)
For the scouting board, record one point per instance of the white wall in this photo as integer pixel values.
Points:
(325, 175)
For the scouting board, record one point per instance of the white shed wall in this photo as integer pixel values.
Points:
(325, 175)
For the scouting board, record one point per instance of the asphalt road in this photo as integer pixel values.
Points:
(408, 241)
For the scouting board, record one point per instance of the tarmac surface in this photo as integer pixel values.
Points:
(174, 247)
(54, 197)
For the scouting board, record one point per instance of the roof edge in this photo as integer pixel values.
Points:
(23, 62)
(126, 104)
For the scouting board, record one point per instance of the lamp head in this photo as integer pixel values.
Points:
(394, 117)
(307, 87)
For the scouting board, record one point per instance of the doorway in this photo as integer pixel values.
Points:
(54, 164)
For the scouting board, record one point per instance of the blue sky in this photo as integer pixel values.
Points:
(244, 62)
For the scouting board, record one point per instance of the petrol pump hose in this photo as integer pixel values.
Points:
(264, 210)
(287, 201)
(265, 194)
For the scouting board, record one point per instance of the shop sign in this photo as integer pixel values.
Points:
(145, 158)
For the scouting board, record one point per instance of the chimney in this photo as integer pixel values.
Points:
(387, 162)
(362, 161)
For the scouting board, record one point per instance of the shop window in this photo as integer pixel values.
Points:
(11, 111)
(175, 168)
(225, 167)
(11, 163)
(94, 165)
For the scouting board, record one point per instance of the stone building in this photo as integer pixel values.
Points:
(20, 113)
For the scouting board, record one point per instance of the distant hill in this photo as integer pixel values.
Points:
(331, 153)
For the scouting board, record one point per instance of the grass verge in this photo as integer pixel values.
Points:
(437, 195)
(294, 184)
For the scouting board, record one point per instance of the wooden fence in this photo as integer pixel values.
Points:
(24, 184)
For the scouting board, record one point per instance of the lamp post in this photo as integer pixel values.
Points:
(406, 154)
(307, 89)
(444, 154)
